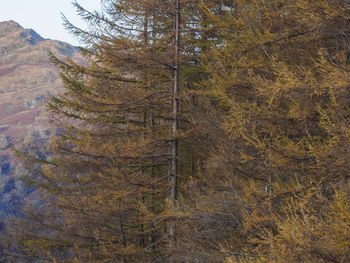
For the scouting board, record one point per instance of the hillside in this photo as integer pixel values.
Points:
(26, 80)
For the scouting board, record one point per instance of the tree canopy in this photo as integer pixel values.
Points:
(198, 131)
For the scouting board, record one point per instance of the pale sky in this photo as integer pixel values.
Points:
(44, 16)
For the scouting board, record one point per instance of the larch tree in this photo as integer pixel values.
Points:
(112, 186)
(278, 91)
(200, 131)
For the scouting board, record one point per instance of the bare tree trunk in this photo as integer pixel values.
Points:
(174, 143)
(174, 146)
(122, 234)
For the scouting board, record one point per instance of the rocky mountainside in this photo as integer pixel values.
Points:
(26, 80)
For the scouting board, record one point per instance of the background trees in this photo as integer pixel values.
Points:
(276, 82)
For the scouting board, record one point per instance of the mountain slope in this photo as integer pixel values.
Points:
(26, 80)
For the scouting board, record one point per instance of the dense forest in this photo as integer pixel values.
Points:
(198, 131)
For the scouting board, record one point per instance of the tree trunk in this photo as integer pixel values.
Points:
(174, 143)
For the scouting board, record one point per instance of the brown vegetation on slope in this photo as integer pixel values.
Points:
(27, 78)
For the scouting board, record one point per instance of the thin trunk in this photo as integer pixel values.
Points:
(122, 234)
(269, 190)
(141, 241)
(151, 238)
(174, 143)
(151, 225)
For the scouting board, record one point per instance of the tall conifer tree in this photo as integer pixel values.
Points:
(112, 187)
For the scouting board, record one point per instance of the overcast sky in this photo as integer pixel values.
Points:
(44, 15)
